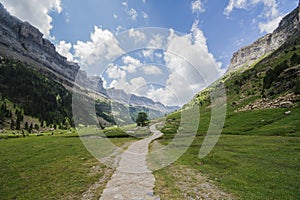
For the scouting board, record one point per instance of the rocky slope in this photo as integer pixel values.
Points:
(246, 56)
(272, 81)
(20, 39)
(20, 42)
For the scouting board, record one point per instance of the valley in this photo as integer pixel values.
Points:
(65, 134)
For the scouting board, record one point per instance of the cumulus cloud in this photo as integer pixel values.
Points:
(136, 35)
(270, 14)
(269, 26)
(192, 67)
(156, 42)
(99, 51)
(151, 70)
(114, 72)
(197, 6)
(134, 86)
(35, 12)
(64, 48)
(130, 64)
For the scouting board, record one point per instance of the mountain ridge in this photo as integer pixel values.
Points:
(271, 80)
(23, 44)
(246, 56)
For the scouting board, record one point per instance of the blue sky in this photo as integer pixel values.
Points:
(225, 34)
(201, 34)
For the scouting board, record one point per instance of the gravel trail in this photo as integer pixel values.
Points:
(132, 178)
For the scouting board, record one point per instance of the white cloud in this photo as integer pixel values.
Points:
(130, 64)
(102, 48)
(35, 12)
(269, 26)
(158, 55)
(197, 6)
(241, 4)
(148, 53)
(270, 6)
(115, 16)
(198, 35)
(130, 60)
(64, 48)
(270, 13)
(132, 13)
(115, 72)
(191, 67)
(156, 42)
(120, 28)
(136, 35)
(163, 95)
(151, 70)
(134, 86)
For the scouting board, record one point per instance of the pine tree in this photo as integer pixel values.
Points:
(26, 126)
(18, 124)
(12, 124)
(30, 128)
(142, 119)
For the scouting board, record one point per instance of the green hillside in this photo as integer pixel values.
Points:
(32, 98)
(257, 155)
(34, 94)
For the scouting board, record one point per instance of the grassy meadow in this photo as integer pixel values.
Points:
(54, 166)
(256, 157)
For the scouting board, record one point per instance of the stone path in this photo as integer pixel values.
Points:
(132, 178)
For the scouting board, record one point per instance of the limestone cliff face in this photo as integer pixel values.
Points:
(21, 38)
(246, 56)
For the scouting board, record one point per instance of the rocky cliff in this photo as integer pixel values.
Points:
(246, 56)
(21, 39)
(23, 42)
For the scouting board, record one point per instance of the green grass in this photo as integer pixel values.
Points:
(256, 157)
(264, 122)
(255, 167)
(250, 167)
(48, 167)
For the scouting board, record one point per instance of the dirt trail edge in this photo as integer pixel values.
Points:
(132, 178)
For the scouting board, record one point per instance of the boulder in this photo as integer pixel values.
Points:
(286, 104)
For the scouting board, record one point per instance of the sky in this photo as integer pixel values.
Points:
(167, 50)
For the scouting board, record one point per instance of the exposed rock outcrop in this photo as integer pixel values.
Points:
(22, 41)
(22, 38)
(246, 56)
(285, 101)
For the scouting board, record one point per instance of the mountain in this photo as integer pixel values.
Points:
(264, 74)
(134, 100)
(24, 42)
(246, 56)
(46, 81)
